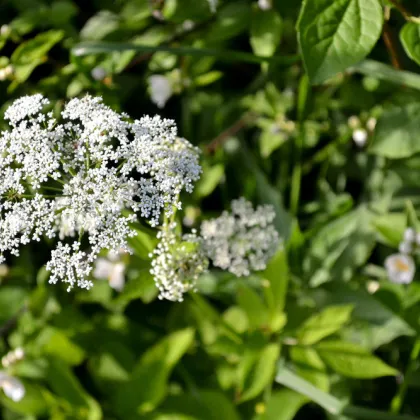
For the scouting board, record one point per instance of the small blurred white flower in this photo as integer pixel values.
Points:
(405, 248)
(188, 25)
(213, 5)
(400, 268)
(12, 357)
(4, 270)
(264, 4)
(110, 269)
(5, 30)
(160, 89)
(360, 137)
(6, 72)
(409, 235)
(371, 123)
(373, 286)
(12, 387)
(98, 73)
(353, 122)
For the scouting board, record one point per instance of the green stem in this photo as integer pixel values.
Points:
(398, 401)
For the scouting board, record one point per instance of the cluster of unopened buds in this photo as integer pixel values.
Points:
(12, 387)
(401, 266)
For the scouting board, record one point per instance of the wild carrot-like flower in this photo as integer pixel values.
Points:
(84, 178)
(243, 240)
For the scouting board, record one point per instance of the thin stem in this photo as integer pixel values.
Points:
(407, 15)
(389, 42)
(229, 132)
(398, 400)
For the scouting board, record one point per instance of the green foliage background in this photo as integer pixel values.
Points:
(266, 95)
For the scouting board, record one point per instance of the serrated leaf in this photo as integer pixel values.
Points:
(266, 30)
(396, 133)
(334, 35)
(321, 325)
(410, 38)
(352, 360)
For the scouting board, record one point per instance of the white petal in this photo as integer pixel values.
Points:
(13, 388)
(400, 268)
(103, 269)
(116, 279)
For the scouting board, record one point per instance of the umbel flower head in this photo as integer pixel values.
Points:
(243, 240)
(177, 263)
(84, 177)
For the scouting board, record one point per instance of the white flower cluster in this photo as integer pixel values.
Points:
(84, 178)
(243, 240)
(177, 263)
(401, 267)
(12, 387)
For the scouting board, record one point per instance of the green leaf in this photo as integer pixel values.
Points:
(396, 133)
(410, 38)
(99, 26)
(231, 20)
(271, 141)
(209, 180)
(266, 30)
(55, 343)
(334, 35)
(375, 324)
(277, 276)
(310, 366)
(202, 404)
(386, 72)
(321, 325)
(352, 360)
(390, 228)
(30, 54)
(253, 305)
(330, 403)
(147, 385)
(12, 300)
(66, 385)
(262, 373)
(283, 405)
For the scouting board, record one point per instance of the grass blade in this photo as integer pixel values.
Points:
(388, 73)
(86, 48)
(331, 404)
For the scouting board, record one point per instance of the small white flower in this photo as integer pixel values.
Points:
(360, 137)
(409, 235)
(160, 89)
(353, 122)
(5, 30)
(4, 270)
(12, 387)
(264, 4)
(405, 248)
(113, 271)
(98, 73)
(188, 25)
(213, 5)
(373, 286)
(400, 268)
(371, 124)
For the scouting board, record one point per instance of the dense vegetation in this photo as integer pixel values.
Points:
(309, 108)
